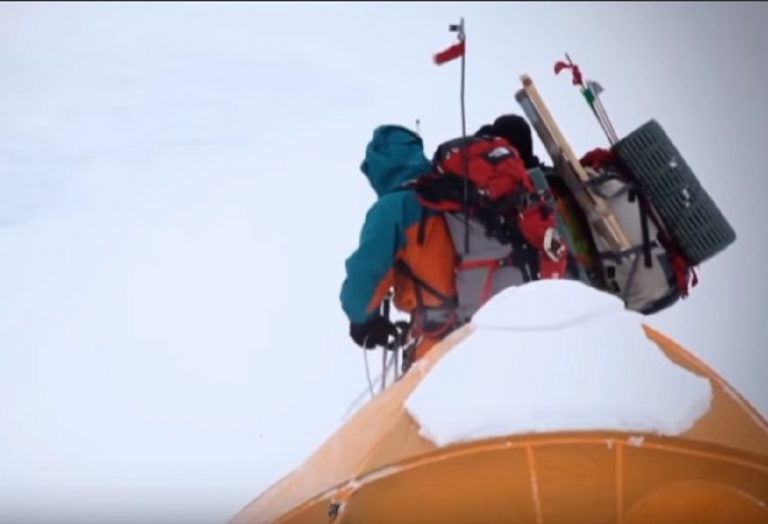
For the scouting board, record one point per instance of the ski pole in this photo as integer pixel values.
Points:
(385, 348)
(591, 93)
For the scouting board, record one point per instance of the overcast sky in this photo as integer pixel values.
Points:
(179, 188)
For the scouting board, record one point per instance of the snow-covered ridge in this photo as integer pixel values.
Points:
(556, 356)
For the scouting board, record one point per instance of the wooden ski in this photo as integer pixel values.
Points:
(568, 166)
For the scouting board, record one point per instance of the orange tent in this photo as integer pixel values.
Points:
(377, 468)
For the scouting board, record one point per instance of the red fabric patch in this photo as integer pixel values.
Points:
(598, 158)
(533, 225)
(499, 177)
(575, 72)
(683, 272)
(550, 269)
(453, 52)
(448, 206)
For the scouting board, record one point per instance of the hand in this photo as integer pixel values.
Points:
(375, 332)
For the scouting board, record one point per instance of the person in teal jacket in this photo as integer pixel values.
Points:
(403, 247)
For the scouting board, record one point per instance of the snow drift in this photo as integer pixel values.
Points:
(556, 355)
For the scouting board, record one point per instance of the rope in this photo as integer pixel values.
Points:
(383, 368)
(356, 401)
(368, 374)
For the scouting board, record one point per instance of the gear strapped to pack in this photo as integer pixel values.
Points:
(652, 274)
(429, 321)
(498, 209)
(498, 220)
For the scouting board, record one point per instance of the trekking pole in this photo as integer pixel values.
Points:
(368, 374)
(397, 362)
(383, 368)
(591, 92)
(385, 309)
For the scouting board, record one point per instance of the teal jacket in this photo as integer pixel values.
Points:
(394, 156)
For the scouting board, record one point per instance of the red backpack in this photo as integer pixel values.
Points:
(497, 191)
(497, 220)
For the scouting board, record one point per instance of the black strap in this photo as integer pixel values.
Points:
(419, 293)
(593, 184)
(634, 194)
(420, 284)
(617, 256)
(605, 176)
(524, 258)
(648, 261)
(420, 237)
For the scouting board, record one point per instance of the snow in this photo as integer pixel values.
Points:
(170, 336)
(556, 356)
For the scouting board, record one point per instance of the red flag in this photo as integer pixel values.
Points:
(575, 71)
(455, 51)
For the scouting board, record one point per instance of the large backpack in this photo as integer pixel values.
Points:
(652, 274)
(496, 217)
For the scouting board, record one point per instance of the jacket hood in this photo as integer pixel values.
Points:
(393, 156)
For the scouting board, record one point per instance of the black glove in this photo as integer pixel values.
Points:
(375, 332)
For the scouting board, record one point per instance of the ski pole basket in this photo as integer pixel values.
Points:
(686, 209)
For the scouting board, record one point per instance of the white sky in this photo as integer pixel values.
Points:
(179, 188)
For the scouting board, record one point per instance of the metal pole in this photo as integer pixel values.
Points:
(462, 38)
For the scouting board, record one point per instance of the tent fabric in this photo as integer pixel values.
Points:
(612, 477)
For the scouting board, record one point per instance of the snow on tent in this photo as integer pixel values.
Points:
(580, 415)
